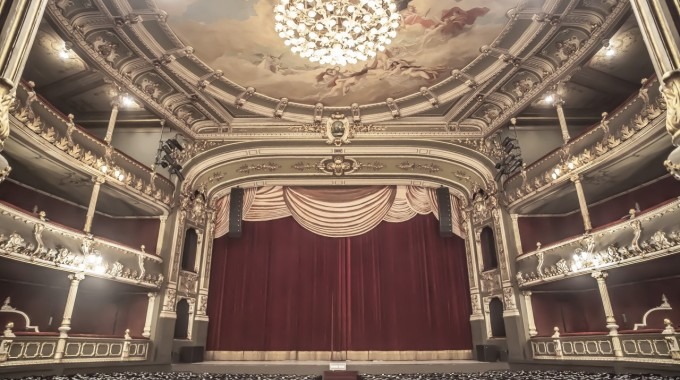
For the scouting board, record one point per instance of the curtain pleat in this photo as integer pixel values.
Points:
(336, 212)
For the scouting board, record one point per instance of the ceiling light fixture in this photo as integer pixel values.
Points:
(608, 48)
(336, 32)
(550, 99)
(64, 54)
(127, 101)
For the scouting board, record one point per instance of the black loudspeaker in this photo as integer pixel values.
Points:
(445, 217)
(191, 354)
(487, 353)
(235, 212)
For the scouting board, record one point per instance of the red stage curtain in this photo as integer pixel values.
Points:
(282, 288)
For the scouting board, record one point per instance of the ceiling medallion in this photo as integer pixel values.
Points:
(336, 32)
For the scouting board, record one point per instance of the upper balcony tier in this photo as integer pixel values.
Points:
(44, 139)
(633, 128)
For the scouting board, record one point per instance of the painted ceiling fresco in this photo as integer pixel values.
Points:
(238, 37)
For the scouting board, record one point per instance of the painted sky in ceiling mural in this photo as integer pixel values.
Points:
(238, 37)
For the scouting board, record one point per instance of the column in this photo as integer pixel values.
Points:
(112, 120)
(608, 311)
(661, 33)
(98, 181)
(582, 203)
(17, 33)
(161, 232)
(559, 103)
(518, 238)
(149, 314)
(68, 312)
(530, 313)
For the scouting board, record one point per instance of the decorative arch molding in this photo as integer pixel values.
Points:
(438, 163)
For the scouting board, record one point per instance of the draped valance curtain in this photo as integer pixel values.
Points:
(336, 212)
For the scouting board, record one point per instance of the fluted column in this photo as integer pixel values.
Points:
(161, 234)
(112, 121)
(21, 19)
(661, 33)
(68, 313)
(601, 278)
(149, 314)
(559, 106)
(530, 313)
(98, 181)
(582, 202)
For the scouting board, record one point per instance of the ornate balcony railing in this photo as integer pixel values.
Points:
(641, 114)
(659, 348)
(38, 118)
(35, 240)
(646, 236)
(39, 349)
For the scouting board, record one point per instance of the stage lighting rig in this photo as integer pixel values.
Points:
(164, 156)
(512, 155)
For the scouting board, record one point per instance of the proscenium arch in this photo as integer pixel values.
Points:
(459, 167)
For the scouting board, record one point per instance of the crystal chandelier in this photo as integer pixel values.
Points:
(336, 32)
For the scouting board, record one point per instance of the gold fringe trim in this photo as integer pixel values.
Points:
(338, 355)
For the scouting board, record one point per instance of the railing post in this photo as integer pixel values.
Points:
(558, 343)
(68, 313)
(6, 342)
(125, 355)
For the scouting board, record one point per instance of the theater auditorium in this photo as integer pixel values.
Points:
(339, 189)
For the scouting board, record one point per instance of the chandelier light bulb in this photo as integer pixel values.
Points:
(336, 32)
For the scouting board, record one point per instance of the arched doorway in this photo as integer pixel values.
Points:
(496, 318)
(489, 256)
(189, 250)
(182, 321)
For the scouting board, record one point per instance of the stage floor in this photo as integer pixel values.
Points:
(317, 368)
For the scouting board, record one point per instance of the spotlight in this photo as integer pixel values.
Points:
(173, 143)
(104, 168)
(610, 52)
(64, 54)
(550, 99)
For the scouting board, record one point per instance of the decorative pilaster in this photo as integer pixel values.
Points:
(530, 313)
(21, 19)
(661, 33)
(98, 181)
(149, 314)
(559, 106)
(582, 203)
(161, 234)
(68, 313)
(608, 311)
(112, 121)
(515, 230)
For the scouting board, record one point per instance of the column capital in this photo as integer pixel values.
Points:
(152, 294)
(527, 293)
(576, 178)
(76, 277)
(599, 275)
(163, 218)
(514, 217)
(100, 179)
